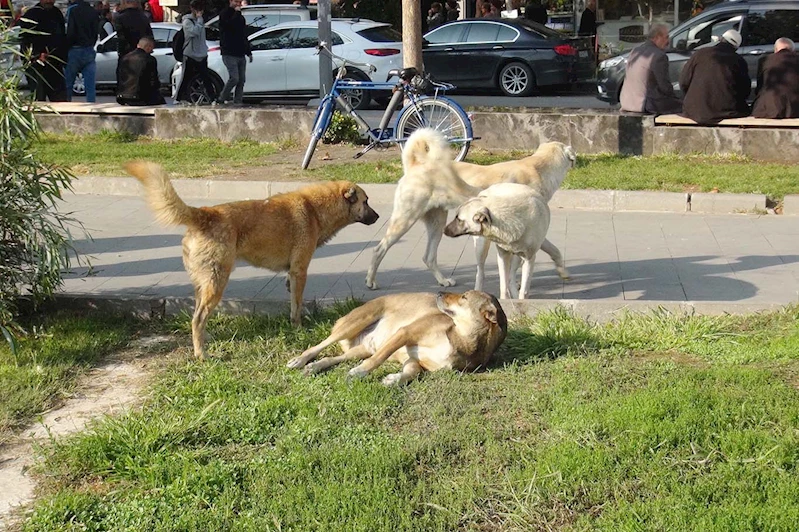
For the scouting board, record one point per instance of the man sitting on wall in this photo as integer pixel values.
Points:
(647, 88)
(716, 82)
(778, 83)
(138, 82)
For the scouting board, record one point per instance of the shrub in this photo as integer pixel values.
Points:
(343, 128)
(35, 242)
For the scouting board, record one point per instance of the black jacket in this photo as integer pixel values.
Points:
(716, 83)
(82, 25)
(131, 25)
(233, 33)
(537, 13)
(587, 23)
(138, 79)
(53, 38)
(778, 86)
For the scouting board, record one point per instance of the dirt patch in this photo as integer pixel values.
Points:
(109, 389)
(284, 165)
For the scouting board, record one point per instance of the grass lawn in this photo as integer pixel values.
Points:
(105, 154)
(49, 360)
(652, 422)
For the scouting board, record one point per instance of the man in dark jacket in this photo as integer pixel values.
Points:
(131, 24)
(45, 42)
(716, 82)
(81, 36)
(778, 83)
(234, 46)
(647, 87)
(536, 12)
(138, 82)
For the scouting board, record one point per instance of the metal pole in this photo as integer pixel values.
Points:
(325, 61)
(676, 12)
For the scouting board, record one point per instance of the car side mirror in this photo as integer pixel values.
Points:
(100, 48)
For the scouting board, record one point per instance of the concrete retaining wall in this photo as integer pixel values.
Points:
(588, 131)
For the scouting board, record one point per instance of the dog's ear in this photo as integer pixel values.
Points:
(490, 314)
(351, 195)
(482, 216)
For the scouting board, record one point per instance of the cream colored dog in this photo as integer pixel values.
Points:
(423, 332)
(516, 218)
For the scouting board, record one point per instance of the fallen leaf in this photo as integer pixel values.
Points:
(327, 157)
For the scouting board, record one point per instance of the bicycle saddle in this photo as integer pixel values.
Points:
(405, 74)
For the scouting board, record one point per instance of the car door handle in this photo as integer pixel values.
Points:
(277, 59)
(498, 47)
(169, 53)
(757, 52)
(448, 49)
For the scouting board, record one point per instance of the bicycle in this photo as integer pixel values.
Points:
(436, 111)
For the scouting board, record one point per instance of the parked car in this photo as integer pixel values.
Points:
(515, 56)
(264, 16)
(286, 62)
(760, 22)
(107, 58)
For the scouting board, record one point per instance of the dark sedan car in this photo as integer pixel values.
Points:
(513, 55)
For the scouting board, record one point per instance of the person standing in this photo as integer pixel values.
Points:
(195, 54)
(778, 83)
(435, 17)
(106, 25)
(234, 46)
(536, 12)
(453, 12)
(131, 24)
(716, 82)
(647, 88)
(588, 23)
(45, 41)
(81, 36)
(138, 82)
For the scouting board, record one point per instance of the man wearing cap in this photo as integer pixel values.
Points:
(778, 83)
(716, 82)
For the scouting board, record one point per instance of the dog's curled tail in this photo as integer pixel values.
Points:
(169, 209)
(425, 145)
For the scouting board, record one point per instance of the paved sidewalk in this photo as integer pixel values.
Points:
(612, 257)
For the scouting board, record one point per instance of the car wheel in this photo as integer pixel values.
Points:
(516, 79)
(79, 86)
(198, 95)
(359, 99)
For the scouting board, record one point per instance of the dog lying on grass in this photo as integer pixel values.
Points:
(423, 332)
(280, 234)
(516, 218)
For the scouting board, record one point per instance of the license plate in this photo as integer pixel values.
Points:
(583, 53)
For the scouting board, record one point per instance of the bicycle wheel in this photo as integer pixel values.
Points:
(320, 125)
(441, 115)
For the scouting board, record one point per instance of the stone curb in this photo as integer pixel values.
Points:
(594, 200)
(790, 205)
(603, 311)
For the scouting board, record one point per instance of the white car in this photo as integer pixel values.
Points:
(286, 63)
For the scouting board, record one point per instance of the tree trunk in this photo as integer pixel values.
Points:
(412, 34)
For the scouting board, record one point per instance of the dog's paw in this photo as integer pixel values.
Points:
(357, 373)
(395, 379)
(448, 281)
(297, 362)
(371, 284)
(313, 368)
(564, 274)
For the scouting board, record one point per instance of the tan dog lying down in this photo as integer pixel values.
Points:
(280, 233)
(420, 331)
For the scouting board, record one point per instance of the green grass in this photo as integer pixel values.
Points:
(106, 153)
(51, 356)
(654, 422)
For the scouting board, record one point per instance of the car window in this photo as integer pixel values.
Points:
(110, 45)
(309, 38)
(765, 26)
(445, 34)
(161, 37)
(539, 29)
(290, 17)
(705, 29)
(381, 34)
(482, 32)
(262, 20)
(272, 40)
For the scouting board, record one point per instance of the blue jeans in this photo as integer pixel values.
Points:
(82, 59)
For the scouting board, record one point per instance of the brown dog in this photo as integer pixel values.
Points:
(420, 331)
(280, 234)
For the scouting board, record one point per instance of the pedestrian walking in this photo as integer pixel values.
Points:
(195, 55)
(44, 41)
(234, 47)
(81, 55)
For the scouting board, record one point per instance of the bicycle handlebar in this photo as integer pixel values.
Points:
(323, 46)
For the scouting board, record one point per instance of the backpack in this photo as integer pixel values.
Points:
(178, 45)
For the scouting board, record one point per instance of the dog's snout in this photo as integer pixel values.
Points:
(371, 216)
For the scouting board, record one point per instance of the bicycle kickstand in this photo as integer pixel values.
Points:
(363, 151)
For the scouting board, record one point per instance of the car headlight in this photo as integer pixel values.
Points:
(612, 62)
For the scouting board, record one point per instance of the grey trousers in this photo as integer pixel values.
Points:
(236, 68)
